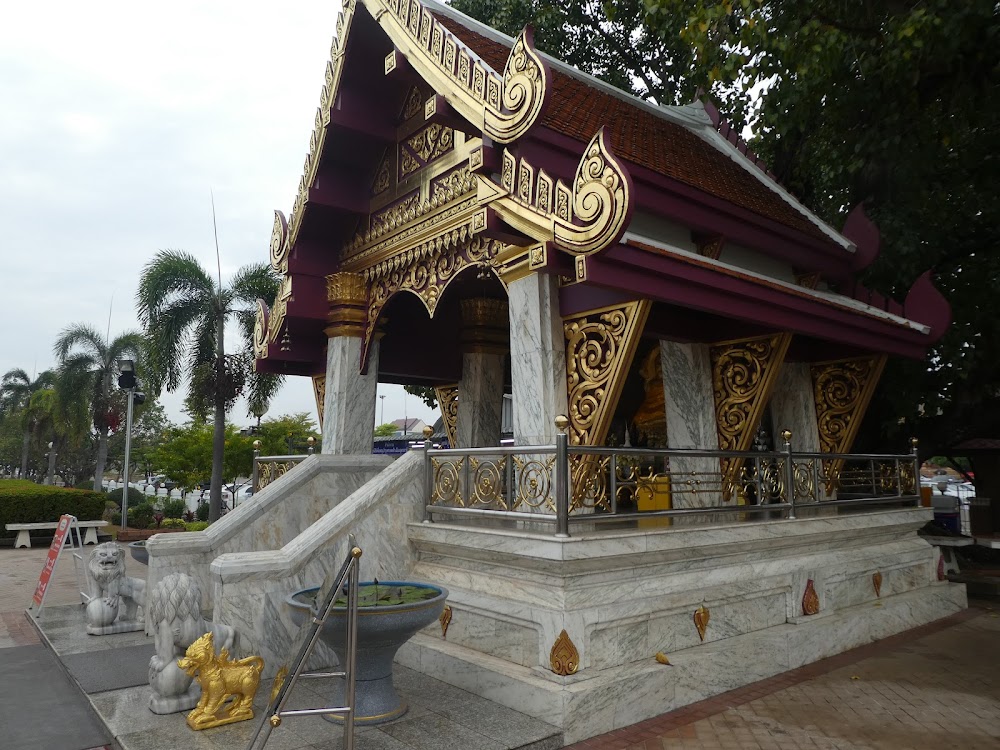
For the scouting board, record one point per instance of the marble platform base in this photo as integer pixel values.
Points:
(127, 626)
(599, 701)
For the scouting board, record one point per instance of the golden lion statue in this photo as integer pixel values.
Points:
(220, 680)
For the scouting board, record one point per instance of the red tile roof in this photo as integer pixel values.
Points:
(578, 110)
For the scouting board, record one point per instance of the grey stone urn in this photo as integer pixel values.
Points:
(139, 552)
(382, 629)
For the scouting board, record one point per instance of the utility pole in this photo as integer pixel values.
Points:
(382, 417)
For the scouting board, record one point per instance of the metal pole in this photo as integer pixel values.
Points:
(352, 649)
(128, 449)
(256, 455)
(789, 474)
(428, 474)
(914, 443)
(562, 480)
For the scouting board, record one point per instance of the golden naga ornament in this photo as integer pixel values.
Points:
(701, 618)
(220, 680)
(877, 582)
(564, 659)
(445, 620)
(810, 599)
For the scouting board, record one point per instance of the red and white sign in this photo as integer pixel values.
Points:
(58, 541)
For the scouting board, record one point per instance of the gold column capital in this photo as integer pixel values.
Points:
(347, 294)
(485, 325)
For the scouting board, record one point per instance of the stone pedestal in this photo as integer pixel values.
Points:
(349, 409)
(690, 407)
(537, 359)
(480, 400)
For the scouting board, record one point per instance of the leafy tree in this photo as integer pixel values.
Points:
(149, 425)
(16, 391)
(285, 435)
(88, 363)
(424, 392)
(187, 455)
(185, 312)
(385, 430)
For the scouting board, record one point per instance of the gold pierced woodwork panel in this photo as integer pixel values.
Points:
(270, 471)
(842, 391)
(424, 147)
(319, 391)
(447, 398)
(743, 375)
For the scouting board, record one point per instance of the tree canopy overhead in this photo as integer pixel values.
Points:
(892, 104)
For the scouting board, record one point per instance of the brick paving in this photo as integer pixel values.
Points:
(933, 687)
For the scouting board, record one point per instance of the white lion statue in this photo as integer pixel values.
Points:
(115, 598)
(175, 614)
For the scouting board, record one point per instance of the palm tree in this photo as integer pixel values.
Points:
(16, 390)
(87, 365)
(185, 312)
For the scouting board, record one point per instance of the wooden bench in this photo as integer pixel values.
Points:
(22, 529)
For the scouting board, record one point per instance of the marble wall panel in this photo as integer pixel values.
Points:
(793, 408)
(349, 404)
(480, 400)
(690, 407)
(538, 358)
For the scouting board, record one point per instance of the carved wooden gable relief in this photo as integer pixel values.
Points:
(319, 391)
(842, 391)
(743, 375)
(447, 398)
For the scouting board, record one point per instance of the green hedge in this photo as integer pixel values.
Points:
(36, 503)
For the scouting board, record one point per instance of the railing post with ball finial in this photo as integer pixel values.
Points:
(562, 478)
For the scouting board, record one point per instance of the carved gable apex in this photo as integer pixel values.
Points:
(503, 105)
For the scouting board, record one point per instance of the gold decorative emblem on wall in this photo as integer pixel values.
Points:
(445, 620)
(424, 147)
(319, 391)
(585, 219)
(564, 659)
(810, 599)
(447, 398)
(503, 106)
(381, 182)
(701, 618)
(842, 391)
(743, 375)
(877, 582)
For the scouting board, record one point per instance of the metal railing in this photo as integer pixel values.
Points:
(285, 680)
(266, 469)
(563, 485)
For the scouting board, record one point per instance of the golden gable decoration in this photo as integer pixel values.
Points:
(503, 106)
(447, 398)
(582, 220)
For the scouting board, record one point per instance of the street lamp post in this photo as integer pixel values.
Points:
(128, 382)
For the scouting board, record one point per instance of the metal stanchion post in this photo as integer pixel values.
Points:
(786, 435)
(914, 449)
(428, 473)
(562, 478)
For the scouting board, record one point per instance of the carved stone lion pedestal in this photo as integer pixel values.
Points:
(115, 598)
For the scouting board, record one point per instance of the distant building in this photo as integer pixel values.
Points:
(406, 426)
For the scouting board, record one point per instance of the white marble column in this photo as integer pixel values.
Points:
(349, 405)
(690, 407)
(793, 408)
(480, 400)
(537, 358)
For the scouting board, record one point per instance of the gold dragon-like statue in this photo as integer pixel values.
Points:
(220, 680)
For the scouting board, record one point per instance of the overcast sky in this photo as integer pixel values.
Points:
(116, 121)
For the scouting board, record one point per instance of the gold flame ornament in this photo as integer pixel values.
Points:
(877, 582)
(564, 659)
(701, 618)
(810, 599)
(661, 658)
(220, 680)
(445, 620)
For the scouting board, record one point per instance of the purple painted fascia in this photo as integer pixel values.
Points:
(311, 258)
(355, 112)
(687, 282)
(702, 212)
(925, 304)
(331, 192)
(862, 231)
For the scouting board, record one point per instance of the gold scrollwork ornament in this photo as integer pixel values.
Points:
(564, 659)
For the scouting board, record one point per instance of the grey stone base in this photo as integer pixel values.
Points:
(127, 626)
(595, 702)
(162, 706)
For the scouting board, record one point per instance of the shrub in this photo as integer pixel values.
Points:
(27, 502)
(141, 516)
(174, 508)
(84, 484)
(113, 518)
(196, 525)
(202, 512)
(172, 523)
(134, 497)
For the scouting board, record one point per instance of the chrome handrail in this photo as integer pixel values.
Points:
(283, 689)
